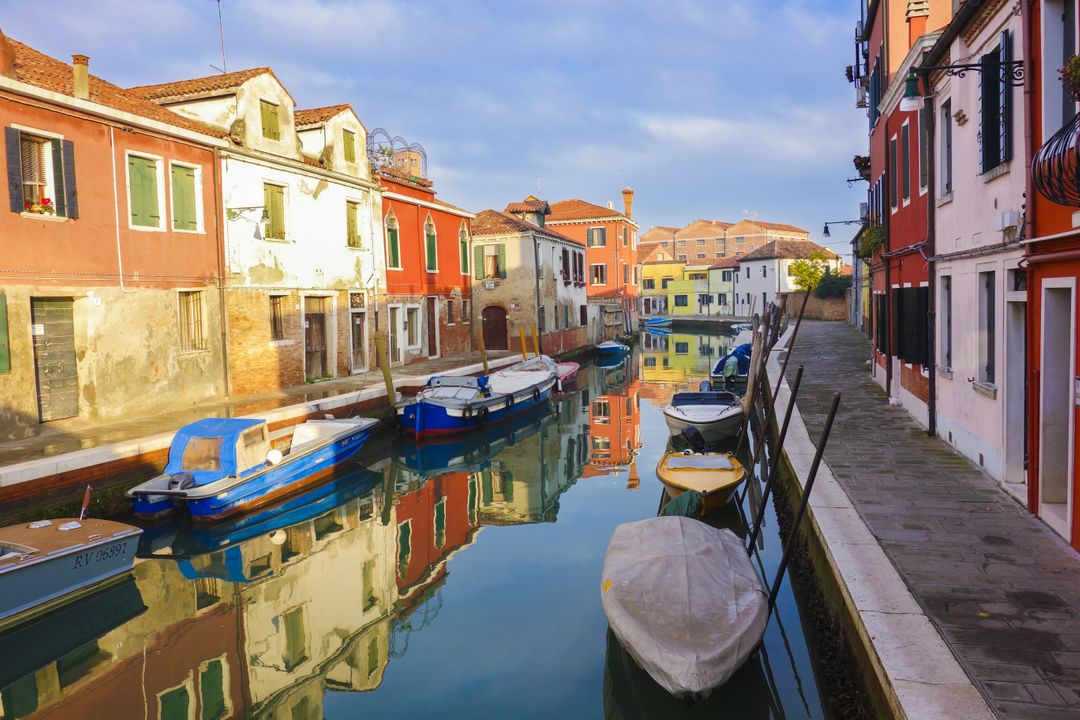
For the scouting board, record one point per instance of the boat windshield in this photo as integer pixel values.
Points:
(700, 462)
(203, 453)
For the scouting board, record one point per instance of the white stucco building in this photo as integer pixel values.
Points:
(765, 273)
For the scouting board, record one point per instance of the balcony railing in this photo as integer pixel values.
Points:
(1055, 169)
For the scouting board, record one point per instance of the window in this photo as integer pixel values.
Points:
(625, 237)
(987, 329)
(719, 254)
(348, 145)
(566, 315)
(682, 243)
(542, 318)
(404, 547)
(764, 271)
(740, 239)
(721, 299)
(47, 169)
(277, 317)
(584, 315)
(995, 124)
(946, 321)
(393, 247)
(892, 173)
(463, 248)
(184, 197)
(412, 326)
(449, 311)
(910, 324)
(440, 523)
(598, 274)
(465, 312)
(143, 191)
(946, 147)
(648, 284)
(682, 348)
(747, 272)
(664, 282)
(626, 274)
(905, 162)
(555, 316)
(681, 301)
(725, 275)
(295, 638)
(924, 149)
(701, 256)
(192, 334)
(174, 704)
(367, 574)
(430, 246)
(701, 242)
(274, 202)
(212, 690)
(271, 123)
(682, 258)
(489, 261)
(597, 237)
(352, 224)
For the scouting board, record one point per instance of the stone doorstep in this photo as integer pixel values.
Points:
(80, 459)
(919, 674)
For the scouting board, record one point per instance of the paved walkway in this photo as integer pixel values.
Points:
(64, 436)
(1001, 587)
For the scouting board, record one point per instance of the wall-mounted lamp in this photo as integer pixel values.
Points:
(235, 213)
(1012, 73)
(826, 233)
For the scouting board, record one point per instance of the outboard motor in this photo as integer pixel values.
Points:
(181, 481)
(705, 386)
(693, 439)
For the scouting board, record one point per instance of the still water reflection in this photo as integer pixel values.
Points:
(452, 579)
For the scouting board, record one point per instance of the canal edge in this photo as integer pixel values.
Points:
(915, 672)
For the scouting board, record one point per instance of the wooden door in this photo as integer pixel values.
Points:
(359, 341)
(315, 338)
(494, 327)
(432, 327)
(395, 334)
(54, 357)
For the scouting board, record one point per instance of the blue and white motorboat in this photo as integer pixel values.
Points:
(658, 322)
(612, 347)
(219, 467)
(741, 354)
(449, 404)
(716, 414)
(741, 327)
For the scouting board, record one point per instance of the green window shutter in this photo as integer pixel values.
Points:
(60, 195)
(5, 347)
(173, 705)
(478, 263)
(352, 238)
(431, 254)
(404, 547)
(392, 247)
(183, 196)
(212, 691)
(502, 261)
(274, 202)
(349, 145)
(271, 125)
(142, 178)
(463, 251)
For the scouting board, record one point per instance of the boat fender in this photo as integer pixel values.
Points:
(510, 400)
(274, 457)
(483, 413)
(536, 393)
(467, 412)
(181, 481)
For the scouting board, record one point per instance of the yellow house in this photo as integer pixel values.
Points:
(658, 271)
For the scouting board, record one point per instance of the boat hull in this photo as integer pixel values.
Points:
(715, 479)
(425, 419)
(722, 428)
(710, 502)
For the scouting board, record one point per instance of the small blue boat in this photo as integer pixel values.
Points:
(612, 347)
(741, 353)
(658, 322)
(449, 405)
(219, 467)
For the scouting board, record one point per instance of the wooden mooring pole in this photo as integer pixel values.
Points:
(384, 365)
(524, 352)
(483, 350)
(536, 342)
(791, 343)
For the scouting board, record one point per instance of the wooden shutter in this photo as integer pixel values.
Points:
(463, 252)
(393, 248)
(274, 200)
(5, 348)
(71, 197)
(271, 124)
(351, 238)
(502, 260)
(60, 197)
(1005, 96)
(183, 197)
(431, 257)
(14, 169)
(478, 262)
(142, 179)
(349, 143)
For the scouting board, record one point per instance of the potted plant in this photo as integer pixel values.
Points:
(862, 166)
(871, 240)
(1070, 75)
(43, 207)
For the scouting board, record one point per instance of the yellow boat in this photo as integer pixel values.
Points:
(714, 475)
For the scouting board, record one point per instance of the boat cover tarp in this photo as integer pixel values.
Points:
(228, 429)
(687, 504)
(684, 600)
(741, 353)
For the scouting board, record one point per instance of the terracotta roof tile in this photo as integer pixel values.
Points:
(222, 82)
(399, 177)
(575, 209)
(703, 228)
(317, 116)
(788, 250)
(530, 204)
(725, 263)
(38, 69)
(654, 253)
(658, 233)
(493, 222)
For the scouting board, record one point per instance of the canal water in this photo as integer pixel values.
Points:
(451, 579)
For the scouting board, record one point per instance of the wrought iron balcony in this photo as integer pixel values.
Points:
(1055, 169)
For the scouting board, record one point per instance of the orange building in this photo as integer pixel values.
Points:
(615, 424)
(428, 273)
(613, 273)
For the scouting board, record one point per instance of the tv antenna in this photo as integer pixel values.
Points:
(221, 34)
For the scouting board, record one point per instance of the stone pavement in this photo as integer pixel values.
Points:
(64, 436)
(1001, 587)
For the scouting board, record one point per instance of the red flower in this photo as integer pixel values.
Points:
(46, 202)
(29, 205)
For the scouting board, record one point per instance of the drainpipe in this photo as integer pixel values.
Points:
(887, 262)
(539, 306)
(931, 241)
(116, 210)
(219, 221)
(1030, 371)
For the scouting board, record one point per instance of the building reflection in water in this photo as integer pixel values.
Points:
(614, 421)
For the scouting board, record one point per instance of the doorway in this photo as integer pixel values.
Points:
(54, 357)
(315, 366)
(433, 327)
(394, 331)
(1015, 391)
(494, 327)
(358, 341)
(1057, 353)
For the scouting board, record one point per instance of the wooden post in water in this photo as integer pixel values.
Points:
(483, 350)
(536, 342)
(521, 334)
(384, 365)
(791, 343)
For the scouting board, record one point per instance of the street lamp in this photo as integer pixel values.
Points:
(1012, 72)
(826, 233)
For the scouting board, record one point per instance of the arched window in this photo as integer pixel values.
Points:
(430, 245)
(463, 248)
(393, 247)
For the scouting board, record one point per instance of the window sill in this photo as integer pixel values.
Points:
(194, 353)
(358, 248)
(944, 199)
(276, 240)
(189, 232)
(945, 372)
(995, 172)
(281, 343)
(987, 389)
(145, 228)
(40, 216)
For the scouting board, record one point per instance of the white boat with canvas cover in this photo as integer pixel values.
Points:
(684, 600)
(717, 414)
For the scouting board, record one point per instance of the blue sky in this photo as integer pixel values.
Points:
(708, 108)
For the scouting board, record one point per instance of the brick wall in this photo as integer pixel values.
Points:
(257, 363)
(834, 308)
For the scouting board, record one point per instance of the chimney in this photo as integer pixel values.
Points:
(628, 200)
(80, 68)
(7, 57)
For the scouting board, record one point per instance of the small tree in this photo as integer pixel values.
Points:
(808, 273)
(832, 284)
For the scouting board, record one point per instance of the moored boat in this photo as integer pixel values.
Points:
(567, 372)
(714, 475)
(741, 355)
(716, 414)
(612, 347)
(741, 327)
(658, 322)
(48, 563)
(220, 467)
(684, 600)
(451, 405)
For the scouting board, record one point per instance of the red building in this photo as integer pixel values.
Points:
(428, 272)
(612, 273)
